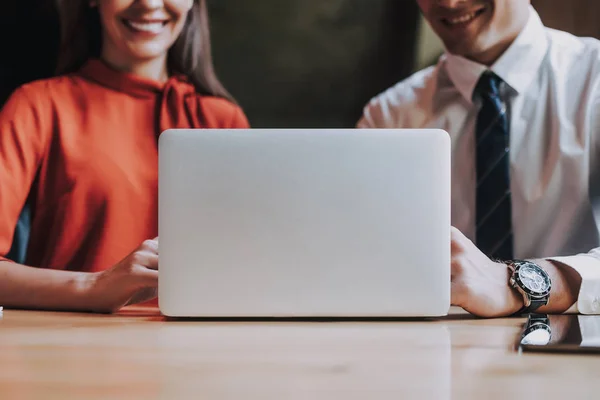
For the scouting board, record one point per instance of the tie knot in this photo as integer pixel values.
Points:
(488, 85)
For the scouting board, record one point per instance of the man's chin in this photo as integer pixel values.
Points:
(464, 49)
(459, 51)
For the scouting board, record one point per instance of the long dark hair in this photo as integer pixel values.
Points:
(190, 55)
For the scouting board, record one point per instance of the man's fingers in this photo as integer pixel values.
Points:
(457, 241)
(456, 247)
(457, 287)
(456, 268)
(455, 294)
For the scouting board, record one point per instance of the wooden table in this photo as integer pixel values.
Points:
(137, 354)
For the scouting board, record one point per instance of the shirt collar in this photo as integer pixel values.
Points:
(518, 66)
(178, 106)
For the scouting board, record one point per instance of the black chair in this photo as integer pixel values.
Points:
(18, 250)
(27, 55)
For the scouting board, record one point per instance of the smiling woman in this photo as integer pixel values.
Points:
(134, 31)
(143, 34)
(80, 150)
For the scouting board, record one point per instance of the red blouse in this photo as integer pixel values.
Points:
(83, 149)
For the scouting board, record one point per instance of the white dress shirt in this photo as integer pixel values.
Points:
(552, 89)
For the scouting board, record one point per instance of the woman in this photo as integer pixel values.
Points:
(81, 150)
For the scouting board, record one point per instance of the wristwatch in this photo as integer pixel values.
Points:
(532, 282)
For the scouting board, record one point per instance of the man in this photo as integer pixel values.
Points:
(521, 103)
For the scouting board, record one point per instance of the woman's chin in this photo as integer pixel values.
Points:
(147, 52)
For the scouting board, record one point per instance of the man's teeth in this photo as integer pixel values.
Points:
(151, 27)
(462, 19)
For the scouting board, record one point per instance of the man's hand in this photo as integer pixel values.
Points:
(480, 285)
(133, 280)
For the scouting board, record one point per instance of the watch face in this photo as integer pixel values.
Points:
(533, 279)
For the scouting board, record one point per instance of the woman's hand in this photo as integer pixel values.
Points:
(133, 280)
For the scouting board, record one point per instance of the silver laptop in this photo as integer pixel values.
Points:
(304, 223)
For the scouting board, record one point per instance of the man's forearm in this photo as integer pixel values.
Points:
(565, 286)
(43, 289)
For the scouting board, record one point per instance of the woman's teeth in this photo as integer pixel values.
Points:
(150, 27)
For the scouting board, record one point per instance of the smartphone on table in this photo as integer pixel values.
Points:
(561, 333)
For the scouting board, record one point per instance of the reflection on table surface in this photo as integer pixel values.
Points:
(561, 331)
(137, 354)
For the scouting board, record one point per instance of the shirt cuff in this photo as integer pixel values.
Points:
(588, 268)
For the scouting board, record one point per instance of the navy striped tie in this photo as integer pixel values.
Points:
(494, 208)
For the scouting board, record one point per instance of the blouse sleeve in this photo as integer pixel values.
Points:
(23, 141)
(239, 119)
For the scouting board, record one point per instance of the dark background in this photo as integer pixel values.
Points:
(289, 63)
(311, 63)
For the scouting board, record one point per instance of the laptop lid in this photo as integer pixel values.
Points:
(304, 223)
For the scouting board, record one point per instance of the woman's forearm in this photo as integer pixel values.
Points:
(44, 289)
